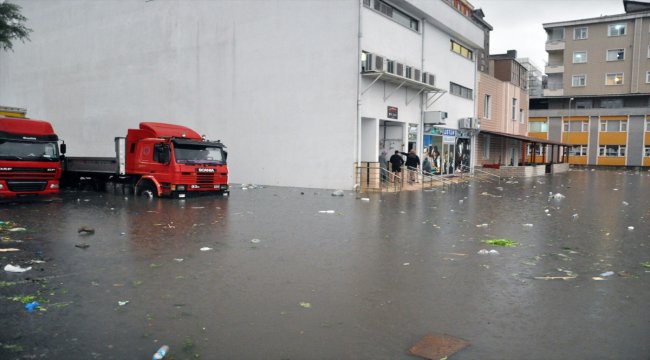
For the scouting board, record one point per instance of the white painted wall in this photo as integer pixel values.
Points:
(274, 80)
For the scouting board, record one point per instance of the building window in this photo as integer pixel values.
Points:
(647, 77)
(461, 91)
(613, 125)
(580, 33)
(487, 106)
(575, 126)
(521, 116)
(397, 15)
(536, 148)
(648, 51)
(578, 150)
(537, 126)
(486, 147)
(647, 125)
(461, 50)
(616, 55)
(579, 80)
(579, 57)
(646, 151)
(614, 79)
(514, 109)
(616, 29)
(611, 150)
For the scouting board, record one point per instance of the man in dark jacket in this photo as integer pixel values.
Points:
(396, 162)
(412, 164)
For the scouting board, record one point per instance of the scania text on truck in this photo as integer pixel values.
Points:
(158, 159)
(30, 164)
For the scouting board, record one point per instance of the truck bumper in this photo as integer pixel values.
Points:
(24, 188)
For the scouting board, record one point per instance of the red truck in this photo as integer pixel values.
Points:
(30, 164)
(157, 159)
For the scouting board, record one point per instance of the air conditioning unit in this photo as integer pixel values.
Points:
(373, 63)
(476, 123)
(399, 69)
(435, 117)
(465, 123)
(408, 72)
(429, 79)
(390, 66)
(417, 74)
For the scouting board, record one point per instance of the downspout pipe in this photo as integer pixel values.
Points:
(358, 57)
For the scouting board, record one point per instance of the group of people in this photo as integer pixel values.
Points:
(430, 164)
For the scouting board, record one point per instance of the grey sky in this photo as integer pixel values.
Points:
(518, 23)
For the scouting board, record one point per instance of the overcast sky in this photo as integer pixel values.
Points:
(518, 23)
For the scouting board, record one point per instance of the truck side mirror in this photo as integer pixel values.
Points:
(225, 155)
(63, 148)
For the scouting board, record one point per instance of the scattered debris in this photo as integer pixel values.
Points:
(178, 259)
(488, 252)
(17, 269)
(406, 264)
(557, 196)
(500, 242)
(256, 241)
(161, 353)
(205, 248)
(607, 273)
(16, 229)
(305, 304)
(365, 199)
(527, 225)
(625, 203)
(597, 278)
(9, 250)
(646, 264)
(32, 306)
(482, 225)
(86, 230)
(82, 246)
(630, 227)
(554, 277)
(338, 193)
(122, 303)
(327, 212)
(575, 217)
(438, 346)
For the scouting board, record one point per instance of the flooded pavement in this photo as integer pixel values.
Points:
(273, 273)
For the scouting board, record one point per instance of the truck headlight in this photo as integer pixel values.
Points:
(2, 187)
(54, 186)
(180, 187)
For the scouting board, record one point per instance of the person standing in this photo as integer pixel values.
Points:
(396, 162)
(383, 165)
(412, 165)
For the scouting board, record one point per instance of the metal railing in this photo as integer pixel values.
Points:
(371, 177)
(430, 178)
(482, 172)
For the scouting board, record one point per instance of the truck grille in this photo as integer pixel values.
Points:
(204, 178)
(23, 186)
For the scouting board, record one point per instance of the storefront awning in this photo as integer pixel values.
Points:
(523, 138)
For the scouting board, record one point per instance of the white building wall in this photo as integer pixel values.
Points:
(276, 81)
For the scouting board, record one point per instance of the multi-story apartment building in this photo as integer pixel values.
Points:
(598, 89)
(300, 91)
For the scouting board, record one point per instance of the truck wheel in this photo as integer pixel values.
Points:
(147, 189)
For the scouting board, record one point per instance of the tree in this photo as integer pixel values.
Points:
(12, 25)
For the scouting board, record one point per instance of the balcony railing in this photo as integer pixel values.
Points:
(555, 45)
(554, 69)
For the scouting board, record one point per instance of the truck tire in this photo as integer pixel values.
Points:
(147, 189)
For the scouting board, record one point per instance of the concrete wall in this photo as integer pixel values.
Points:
(276, 81)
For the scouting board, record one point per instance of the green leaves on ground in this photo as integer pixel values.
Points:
(500, 242)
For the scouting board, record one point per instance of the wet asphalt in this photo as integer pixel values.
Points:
(285, 278)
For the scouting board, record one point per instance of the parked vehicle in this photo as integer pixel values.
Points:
(157, 159)
(30, 163)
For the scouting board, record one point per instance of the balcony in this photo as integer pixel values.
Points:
(554, 92)
(554, 69)
(555, 45)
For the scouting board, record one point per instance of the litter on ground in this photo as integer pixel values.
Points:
(16, 269)
(500, 242)
(327, 211)
(438, 346)
(205, 248)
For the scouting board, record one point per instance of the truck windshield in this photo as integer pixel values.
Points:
(195, 154)
(28, 151)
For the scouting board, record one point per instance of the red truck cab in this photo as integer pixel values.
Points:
(174, 160)
(29, 158)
